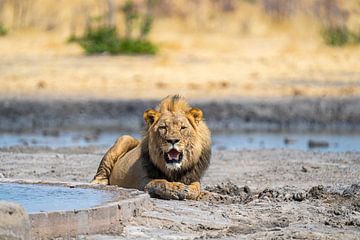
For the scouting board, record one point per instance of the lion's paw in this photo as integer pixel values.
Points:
(160, 188)
(102, 181)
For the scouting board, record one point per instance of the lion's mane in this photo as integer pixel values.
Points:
(200, 146)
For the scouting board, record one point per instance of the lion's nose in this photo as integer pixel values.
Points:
(173, 141)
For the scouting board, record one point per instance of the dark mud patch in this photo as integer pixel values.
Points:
(340, 208)
(289, 193)
(229, 193)
(226, 193)
(284, 211)
(319, 192)
(228, 188)
(343, 209)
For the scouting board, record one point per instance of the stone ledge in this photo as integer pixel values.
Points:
(107, 218)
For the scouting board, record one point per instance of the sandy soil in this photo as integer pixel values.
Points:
(196, 65)
(289, 194)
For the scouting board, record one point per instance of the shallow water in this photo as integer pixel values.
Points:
(45, 198)
(339, 142)
(336, 142)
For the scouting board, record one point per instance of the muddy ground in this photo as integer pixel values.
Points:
(269, 114)
(263, 194)
(297, 82)
(258, 194)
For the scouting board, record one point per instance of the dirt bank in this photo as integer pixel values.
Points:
(299, 113)
(291, 193)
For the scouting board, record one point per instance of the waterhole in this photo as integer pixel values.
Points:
(46, 198)
(308, 141)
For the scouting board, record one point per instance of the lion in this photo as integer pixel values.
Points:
(170, 159)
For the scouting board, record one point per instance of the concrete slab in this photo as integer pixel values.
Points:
(14, 222)
(107, 218)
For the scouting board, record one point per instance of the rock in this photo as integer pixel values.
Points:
(317, 144)
(51, 132)
(269, 193)
(227, 193)
(317, 192)
(352, 190)
(287, 193)
(299, 196)
(14, 222)
(228, 188)
(288, 141)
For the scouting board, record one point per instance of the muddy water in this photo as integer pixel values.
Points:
(339, 142)
(303, 141)
(45, 198)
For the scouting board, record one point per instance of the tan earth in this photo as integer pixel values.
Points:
(197, 65)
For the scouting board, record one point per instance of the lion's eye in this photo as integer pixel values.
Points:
(183, 127)
(162, 127)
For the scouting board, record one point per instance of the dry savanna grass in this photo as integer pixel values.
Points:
(207, 50)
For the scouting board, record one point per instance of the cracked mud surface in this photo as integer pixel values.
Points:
(262, 194)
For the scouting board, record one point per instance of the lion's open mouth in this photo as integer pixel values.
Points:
(173, 156)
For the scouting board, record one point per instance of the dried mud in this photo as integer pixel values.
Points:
(260, 194)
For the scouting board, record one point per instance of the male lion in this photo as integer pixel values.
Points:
(171, 158)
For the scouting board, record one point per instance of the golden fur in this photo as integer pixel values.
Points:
(171, 158)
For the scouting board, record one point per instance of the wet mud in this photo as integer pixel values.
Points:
(297, 113)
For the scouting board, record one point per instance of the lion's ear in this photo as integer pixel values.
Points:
(150, 116)
(196, 114)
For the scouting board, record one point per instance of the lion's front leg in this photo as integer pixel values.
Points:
(164, 189)
(122, 145)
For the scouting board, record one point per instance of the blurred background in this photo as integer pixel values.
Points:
(283, 66)
(206, 48)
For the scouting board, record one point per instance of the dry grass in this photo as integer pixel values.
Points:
(242, 53)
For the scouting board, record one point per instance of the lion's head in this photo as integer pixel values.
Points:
(177, 136)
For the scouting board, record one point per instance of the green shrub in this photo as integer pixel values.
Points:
(101, 40)
(106, 40)
(137, 46)
(3, 30)
(339, 36)
(72, 39)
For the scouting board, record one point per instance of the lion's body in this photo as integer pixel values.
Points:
(128, 171)
(171, 158)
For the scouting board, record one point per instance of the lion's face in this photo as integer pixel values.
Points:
(175, 142)
(173, 134)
